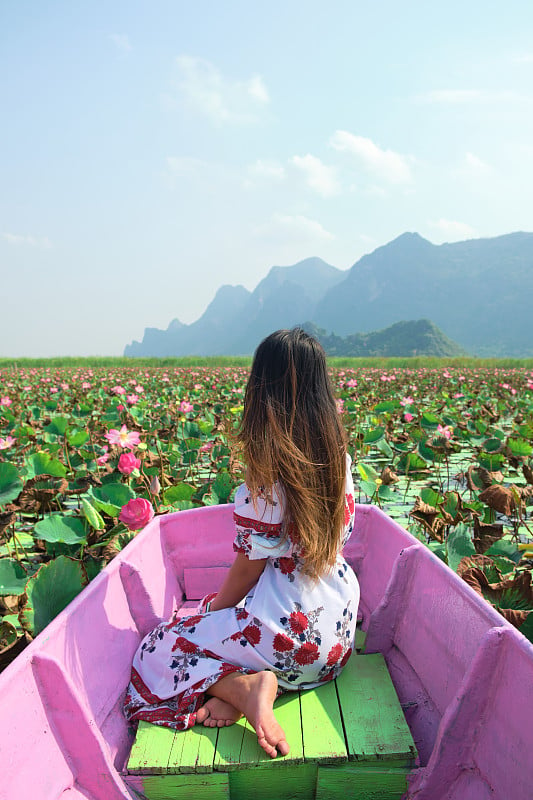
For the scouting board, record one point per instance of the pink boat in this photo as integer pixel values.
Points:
(463, 675)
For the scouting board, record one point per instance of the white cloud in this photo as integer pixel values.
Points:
(43, 242)
(269, 170)
(204, 89)
(388, 165)
(525, 58)
(452, 230)
(475, 166)
(287, 229)
(258, 90)
(121, 41)
(319, 177)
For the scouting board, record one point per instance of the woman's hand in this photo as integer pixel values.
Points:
(240, 580)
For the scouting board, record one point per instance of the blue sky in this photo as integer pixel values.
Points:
(152, 151)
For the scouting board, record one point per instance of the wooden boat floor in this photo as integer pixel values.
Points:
(348, 739)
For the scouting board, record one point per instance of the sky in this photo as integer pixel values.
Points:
(151, 152)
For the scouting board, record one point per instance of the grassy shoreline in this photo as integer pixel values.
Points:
(414, 362)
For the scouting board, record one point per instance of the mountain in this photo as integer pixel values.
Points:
(416, 338)
(236, 320)
(478, 293)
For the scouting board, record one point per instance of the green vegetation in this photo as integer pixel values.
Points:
(412, 362)
(90, 451)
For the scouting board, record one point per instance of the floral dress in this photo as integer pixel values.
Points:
(301, 630)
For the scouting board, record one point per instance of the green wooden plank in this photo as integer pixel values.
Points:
(360, 639)
(281, 783)
(373, 718)
(199, 749)
(150, 751)
(287, 711)
(229, 744)
(352, 780)
(214, 786)
(322, 731)
(174, 756)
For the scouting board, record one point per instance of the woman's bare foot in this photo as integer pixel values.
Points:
(254, 695)
(216, 713)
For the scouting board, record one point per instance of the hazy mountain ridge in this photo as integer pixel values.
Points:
(478, 293)
(403, 339)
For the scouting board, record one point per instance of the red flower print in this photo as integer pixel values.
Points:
(190, 622)
(298, 622)
(328, 677)
(287, 565)
(334, 654)
(282, 643)
(252, 633)
(349, 508)
(241, 613)
(346, 656)
(306, 654)
(227, 669)
(184, 645)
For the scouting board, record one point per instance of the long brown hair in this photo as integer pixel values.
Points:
(291, 432)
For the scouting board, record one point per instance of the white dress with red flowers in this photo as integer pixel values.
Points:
(301, 630)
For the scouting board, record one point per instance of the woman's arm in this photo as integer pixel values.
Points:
(241, 578)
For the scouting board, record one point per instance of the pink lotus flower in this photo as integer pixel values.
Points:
(118, 390)
(132, 399)
(123, 437)
(101, 460)
(340, 405)
(5, 401)
(205, 448)
(127, 463)
(352, 383)
(86, 385)
(406, 401)
(185, 407)
(9, 441)
(408, 417)
(445, 430)
(136, 513)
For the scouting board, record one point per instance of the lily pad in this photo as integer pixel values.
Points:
(49, 591)
(12, 577)
(41, 463)
(111, 497)
(60, 528)
(10, 483)
(458, 545)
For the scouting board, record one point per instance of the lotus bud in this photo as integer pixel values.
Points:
(155, 486)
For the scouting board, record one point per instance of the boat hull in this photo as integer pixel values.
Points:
(464, 676)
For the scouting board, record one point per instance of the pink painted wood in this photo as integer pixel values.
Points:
(464, 676)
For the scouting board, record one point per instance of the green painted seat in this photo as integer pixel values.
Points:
(348, 739)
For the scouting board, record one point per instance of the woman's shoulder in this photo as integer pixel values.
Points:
(266, 507)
